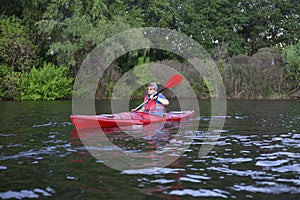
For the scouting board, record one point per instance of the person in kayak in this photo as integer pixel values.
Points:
(155, 102)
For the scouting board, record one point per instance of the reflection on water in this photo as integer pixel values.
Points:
(256, 157)
(153, 145)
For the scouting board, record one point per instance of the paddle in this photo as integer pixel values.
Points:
(172, 82)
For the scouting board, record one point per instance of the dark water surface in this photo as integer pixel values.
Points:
(256, 157)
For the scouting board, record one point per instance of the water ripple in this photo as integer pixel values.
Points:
(152, 171)
(33, 153)
(288, 168)
(239, 172)
(36, 193)
(269, 189)
(200, 193)
(270, 163)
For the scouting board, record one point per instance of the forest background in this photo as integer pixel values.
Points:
(255, 44)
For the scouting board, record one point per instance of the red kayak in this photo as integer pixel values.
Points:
(127, 119)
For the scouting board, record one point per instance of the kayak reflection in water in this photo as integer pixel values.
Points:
(154, 103)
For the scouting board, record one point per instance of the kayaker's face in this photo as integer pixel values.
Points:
(151, 90)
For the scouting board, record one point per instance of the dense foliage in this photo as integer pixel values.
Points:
(254, 43)
(46, 83)
(16, 48)
(291, 56)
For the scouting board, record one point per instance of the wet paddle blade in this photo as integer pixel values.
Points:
(173, 81)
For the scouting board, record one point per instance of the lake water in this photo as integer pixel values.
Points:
(256, 157)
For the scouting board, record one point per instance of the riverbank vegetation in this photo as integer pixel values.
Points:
(255, 44)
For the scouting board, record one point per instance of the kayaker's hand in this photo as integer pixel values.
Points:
(153, 97)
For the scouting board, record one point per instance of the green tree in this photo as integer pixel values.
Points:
(270, 23)
(291, 56)
(16, 47)
(11, 8)
(241, 26)
(212, 23)
(154, 13)
(74, 28)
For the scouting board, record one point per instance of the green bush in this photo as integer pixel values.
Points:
(291, 56)
(258, 76)
(46, 83)
(4, 71)
(8, 82)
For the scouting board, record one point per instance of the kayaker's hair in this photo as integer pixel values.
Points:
(153, 85)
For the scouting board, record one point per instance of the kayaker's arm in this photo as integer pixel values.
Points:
(163, 101)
